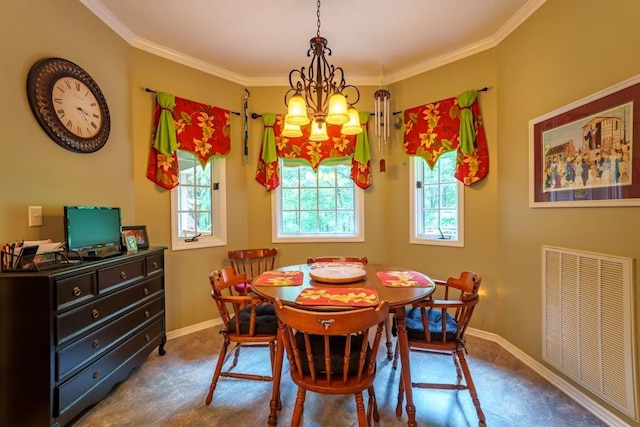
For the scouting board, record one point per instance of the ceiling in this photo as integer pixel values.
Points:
(257, 43)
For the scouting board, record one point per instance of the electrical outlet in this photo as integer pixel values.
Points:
(35, 216)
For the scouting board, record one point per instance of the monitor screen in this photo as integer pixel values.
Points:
(91, 227)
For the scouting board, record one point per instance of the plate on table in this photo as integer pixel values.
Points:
(338, 274)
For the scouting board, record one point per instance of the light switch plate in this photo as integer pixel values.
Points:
(35, 216)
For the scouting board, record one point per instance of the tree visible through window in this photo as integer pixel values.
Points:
(198, 203)
(318, 206)
(437, 202)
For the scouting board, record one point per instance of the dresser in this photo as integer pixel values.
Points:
(68, 335)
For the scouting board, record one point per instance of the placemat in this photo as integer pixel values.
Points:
(280, 278)
(405, 279)
(350, 297)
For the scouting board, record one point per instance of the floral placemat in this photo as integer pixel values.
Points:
(405, 279)
(280, 278)
(336, 264)
(350, 297)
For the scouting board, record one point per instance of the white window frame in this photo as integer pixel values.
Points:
(219, 218)
(416, 206)
(279, 237)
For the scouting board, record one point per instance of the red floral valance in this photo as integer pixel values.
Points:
(338, 145)
(433, 129)
(198, 128)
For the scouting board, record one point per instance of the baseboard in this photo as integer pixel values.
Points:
(567, 388)
(193, 328)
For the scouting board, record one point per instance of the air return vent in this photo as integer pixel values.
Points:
(588, 324)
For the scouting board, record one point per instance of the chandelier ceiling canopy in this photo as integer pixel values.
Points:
(320, 91)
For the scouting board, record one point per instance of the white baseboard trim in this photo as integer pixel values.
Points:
(583, 400)
(193, 328)
(567, 388)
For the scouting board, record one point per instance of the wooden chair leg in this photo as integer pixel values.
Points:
(396, 355)
(387, 330)
(470, 386)
(372, 410)
(400, 395)
(298, 408)
(216, 373)
(362, 416)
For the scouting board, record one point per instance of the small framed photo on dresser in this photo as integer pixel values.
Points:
(140, 234)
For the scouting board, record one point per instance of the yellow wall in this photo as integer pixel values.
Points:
(567, 50)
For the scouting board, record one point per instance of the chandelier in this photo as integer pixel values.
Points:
(320, 91)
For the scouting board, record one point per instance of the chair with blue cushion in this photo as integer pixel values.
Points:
(247, 321)
(438, 326)
(333, 352)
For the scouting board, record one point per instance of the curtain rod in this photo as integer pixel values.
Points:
(146, 89)
(256, 115)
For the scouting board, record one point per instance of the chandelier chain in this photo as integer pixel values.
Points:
(318, 15)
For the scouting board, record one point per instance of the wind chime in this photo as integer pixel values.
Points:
(382, 115)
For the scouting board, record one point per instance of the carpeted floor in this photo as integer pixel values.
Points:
(170, 390)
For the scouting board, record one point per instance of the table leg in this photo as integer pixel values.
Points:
(403, 343)
(275, 403)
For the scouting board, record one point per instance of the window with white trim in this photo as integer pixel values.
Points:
(311, 207)
(198, 204)
(437, 202)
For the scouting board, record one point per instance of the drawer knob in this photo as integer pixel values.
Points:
(146, 291)
(95, 314)
(96, 375)
(156, 265)
(77, 291)
(147, 314)
(147, 338)
(123, 275)
(95, 344)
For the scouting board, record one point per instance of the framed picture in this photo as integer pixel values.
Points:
(588, 153)
(130, 243)
(140, 234)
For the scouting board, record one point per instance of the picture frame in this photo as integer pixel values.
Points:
(140, 234)
(130, 243)
(587, 153)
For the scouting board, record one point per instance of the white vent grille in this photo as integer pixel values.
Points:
(588, 326)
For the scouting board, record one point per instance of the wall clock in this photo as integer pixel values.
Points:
(69, 105)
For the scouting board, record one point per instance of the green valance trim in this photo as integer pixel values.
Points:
(467, 130)
(362, 152)
(269, 154)
(166, 141)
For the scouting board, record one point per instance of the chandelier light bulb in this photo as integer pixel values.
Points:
(337, 109)
(352, 127)
(297, 114)
(318, 131)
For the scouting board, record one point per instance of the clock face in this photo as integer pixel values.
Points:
(69, 105)
(76, 107)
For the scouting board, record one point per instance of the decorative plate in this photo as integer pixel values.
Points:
(337, 274)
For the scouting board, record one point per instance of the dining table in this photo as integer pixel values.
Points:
(344, 286)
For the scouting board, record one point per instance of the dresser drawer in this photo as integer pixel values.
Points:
(74, 290)
(120, 275)
(155, 264)
(96, 313)
(90, 377)
(104, 339)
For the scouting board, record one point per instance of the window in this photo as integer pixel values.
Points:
(198, 204)
(437, 202)
(324, 206)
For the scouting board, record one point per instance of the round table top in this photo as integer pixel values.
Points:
(396, 296)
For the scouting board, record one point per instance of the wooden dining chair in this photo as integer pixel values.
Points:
(439, 326)
(333, 352)
(247, 321)
(251, 263)
(363, 260)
